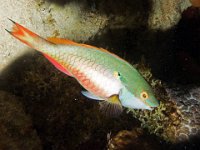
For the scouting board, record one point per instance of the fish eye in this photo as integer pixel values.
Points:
(144, 95)
(116, 74)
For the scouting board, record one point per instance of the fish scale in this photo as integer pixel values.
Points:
(91, 75)
(100, 75)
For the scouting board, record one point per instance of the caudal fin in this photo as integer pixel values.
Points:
(26, 36)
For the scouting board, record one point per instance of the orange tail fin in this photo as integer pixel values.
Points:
(26, 36)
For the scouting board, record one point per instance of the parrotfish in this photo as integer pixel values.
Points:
(105, 76)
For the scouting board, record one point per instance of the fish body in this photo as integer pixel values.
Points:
(104, 75)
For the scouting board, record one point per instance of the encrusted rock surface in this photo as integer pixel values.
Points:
(134, 139)
(166, 14)
(187, 100)
(176, 121)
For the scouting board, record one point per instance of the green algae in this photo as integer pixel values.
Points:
(164, 121)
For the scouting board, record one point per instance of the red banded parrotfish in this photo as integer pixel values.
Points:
(105, 76)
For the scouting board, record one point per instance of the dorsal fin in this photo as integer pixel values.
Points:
(60, 41)
(69, 42)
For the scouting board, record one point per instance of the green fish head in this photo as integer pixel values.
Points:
(138, 94)
(131, 100)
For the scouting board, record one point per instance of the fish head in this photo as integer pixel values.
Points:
(138, 100)
(138, 95)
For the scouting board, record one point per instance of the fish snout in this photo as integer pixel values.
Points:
(152, 102)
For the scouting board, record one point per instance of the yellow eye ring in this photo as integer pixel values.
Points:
(144, 95)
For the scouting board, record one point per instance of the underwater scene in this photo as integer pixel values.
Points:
(100, 75)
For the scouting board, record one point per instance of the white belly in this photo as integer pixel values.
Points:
(98, 81)
(105, 81)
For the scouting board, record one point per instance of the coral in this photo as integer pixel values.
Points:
(16, 128)
(163, 121)
(187, 100)
(162, 118)
(165, 14)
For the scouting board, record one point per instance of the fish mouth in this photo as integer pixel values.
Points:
(147, 107)
(152, 102)
(150, 108)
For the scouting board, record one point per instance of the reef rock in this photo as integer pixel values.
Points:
(132, 140)
(176, 119)
(187, 100)
(165, 14)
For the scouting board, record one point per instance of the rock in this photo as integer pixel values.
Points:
(195, 3)
(135, 139)
(166, 14)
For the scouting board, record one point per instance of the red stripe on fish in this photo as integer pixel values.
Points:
(85, 81)
(58, 65)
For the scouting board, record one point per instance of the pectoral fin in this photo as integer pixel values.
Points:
(91, 96)
(111, 107)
